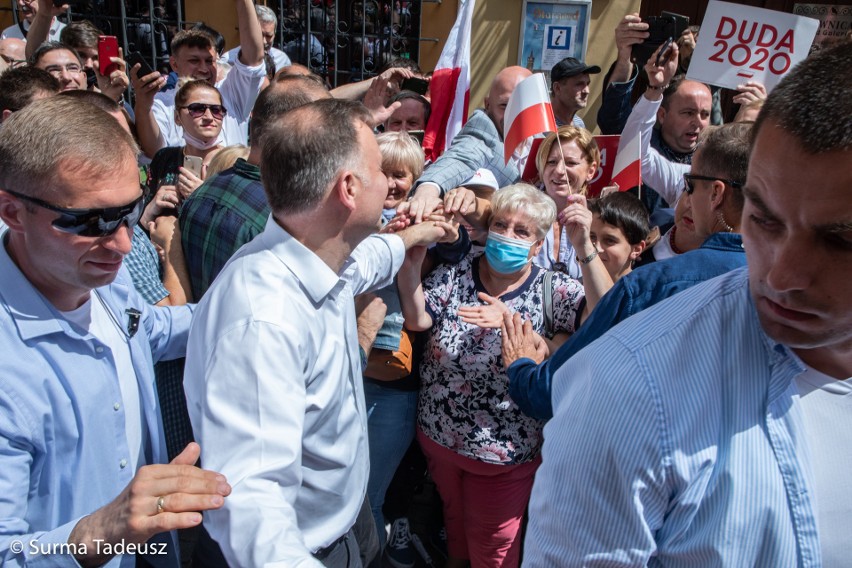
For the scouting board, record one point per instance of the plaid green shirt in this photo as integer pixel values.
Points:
(224, 213)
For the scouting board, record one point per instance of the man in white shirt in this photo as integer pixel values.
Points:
(268, 24)
(194, 55)
(28, 10)
(273, 374)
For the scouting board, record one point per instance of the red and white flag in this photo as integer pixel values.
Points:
(527, 114)
(627, 171)
(450, 86)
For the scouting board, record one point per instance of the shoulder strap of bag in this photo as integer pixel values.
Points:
(547, 302)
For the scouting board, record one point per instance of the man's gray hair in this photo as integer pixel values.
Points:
(60, 134)
(812, 102)
(265, 14)
(306, 148)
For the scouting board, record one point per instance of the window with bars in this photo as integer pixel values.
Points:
(348, 40)
(341, 40)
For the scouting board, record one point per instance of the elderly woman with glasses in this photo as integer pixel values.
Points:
(567, 161)
(177, 171)
(481, 449)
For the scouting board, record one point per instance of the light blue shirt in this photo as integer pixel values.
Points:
(63, 448)
(677, 440)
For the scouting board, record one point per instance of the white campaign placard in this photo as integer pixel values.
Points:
(740, 43)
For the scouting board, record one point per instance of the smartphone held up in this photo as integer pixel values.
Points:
(662, 30)
(107, 49)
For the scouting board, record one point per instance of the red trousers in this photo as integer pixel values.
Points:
(483, 504)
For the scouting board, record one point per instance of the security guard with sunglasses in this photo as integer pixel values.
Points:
(80, 427)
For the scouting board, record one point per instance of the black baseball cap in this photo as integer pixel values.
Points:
(570, 67)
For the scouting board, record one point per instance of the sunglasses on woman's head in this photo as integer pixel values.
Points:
(197, 110)
(96, 222)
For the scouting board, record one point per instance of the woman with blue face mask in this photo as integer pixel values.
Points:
(481, 449)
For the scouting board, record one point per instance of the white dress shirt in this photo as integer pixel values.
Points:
(239, 92)
(664, 176)
(827, 407)
(275, 395)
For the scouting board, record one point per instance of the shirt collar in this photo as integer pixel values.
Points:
(728, 242)
(31, 312)
(314, 275)
(672, 155)
(247, 170)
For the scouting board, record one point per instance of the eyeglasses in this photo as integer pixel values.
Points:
(96, 222)
(197, 110)
(56, 70)
(690, 187)
(12, 63)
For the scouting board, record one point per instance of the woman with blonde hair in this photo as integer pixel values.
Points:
(566, 168)
(226, 158)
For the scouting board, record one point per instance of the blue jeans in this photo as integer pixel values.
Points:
(391, 415)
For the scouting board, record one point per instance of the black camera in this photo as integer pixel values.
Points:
(660, 29)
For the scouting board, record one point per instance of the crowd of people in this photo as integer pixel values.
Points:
(233, 309)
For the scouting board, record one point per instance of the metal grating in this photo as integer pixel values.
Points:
(341, 40)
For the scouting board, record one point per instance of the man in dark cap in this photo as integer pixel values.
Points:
(570, 79)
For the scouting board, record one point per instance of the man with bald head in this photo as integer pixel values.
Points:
(683, 114)
(13, 52)
(478, 145)
(681, 109)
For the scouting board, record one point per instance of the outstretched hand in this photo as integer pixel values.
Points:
(520, 341)
(489, 315)
(423, 203)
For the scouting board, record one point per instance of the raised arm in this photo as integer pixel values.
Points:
(631, 30)
(40, 28)
(664, 176)
(251, 38)
(411, 296)
(577, 220)
(147, 129)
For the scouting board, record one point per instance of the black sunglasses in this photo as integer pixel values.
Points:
(690, 187)
(98, 222)
(197, 110)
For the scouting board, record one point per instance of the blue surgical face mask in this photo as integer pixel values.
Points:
(506, 255)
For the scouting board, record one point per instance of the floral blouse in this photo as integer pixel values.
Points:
(464, 395)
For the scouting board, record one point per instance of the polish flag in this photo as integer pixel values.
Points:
(527, 114)
(627, 171)
(450, 86)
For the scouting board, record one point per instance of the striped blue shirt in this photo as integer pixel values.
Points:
(677, 440)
